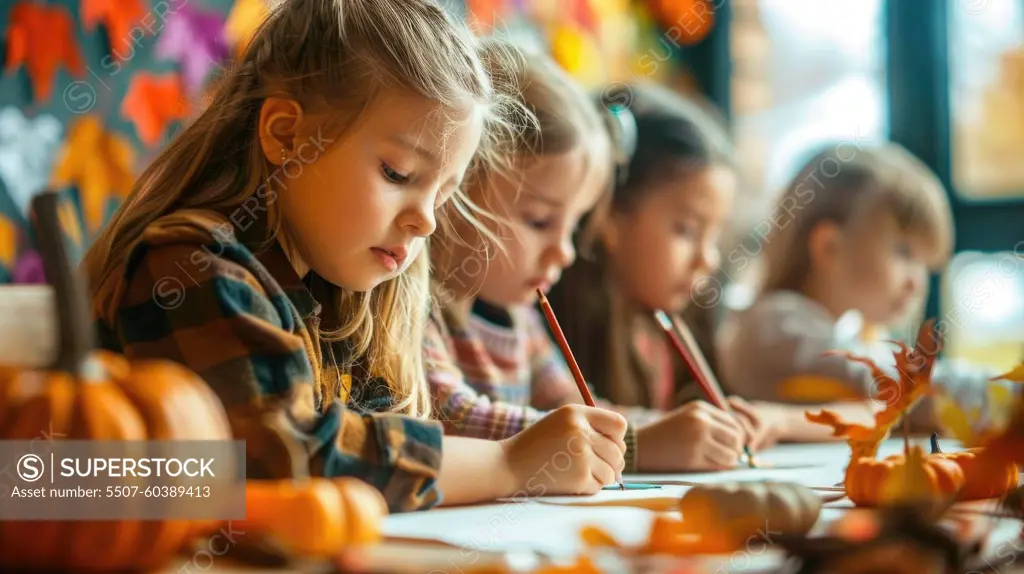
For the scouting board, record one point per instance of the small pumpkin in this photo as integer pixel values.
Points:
(727, 515)
(314, 518)
(984, 476)
(866, 479)
(96, 395)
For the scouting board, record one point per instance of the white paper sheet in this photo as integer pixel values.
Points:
(527, 525)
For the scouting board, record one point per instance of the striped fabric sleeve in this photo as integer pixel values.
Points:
(218, 319)
(552, 383)
(461, 409)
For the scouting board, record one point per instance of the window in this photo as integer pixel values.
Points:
(986, 60)
(805, 72)
(983, 309)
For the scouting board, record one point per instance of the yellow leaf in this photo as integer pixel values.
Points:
(99, 163)
(243, 20)
(953, 419)
(8, 242)
(577, 52)
(815, 389)
(1016, 375)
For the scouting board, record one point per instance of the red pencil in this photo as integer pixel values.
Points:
(698, 366)
(577, 375)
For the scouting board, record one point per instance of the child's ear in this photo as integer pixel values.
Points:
(824, 244)
(279, 125)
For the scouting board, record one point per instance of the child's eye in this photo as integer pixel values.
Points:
(904, 251)
(392, 175)
(538, 224)
(688, 230)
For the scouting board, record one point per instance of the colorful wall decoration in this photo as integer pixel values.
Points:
(90, 90)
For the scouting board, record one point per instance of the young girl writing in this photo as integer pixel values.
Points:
(658, 239)
(855, 235)
(492, 368)
(276, 247)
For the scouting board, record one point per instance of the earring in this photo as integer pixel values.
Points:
(284, 156)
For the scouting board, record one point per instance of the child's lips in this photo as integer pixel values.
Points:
(542, 284)
(391, 258)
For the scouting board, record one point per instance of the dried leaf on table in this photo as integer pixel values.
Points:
(42, 37)
(196, 40)
(152, 103)
(99, 163)
(243, 20)
(27, 150)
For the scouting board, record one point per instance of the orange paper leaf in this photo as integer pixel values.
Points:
(123, 20)
(99, 163)
(42, 37)
(152, 103)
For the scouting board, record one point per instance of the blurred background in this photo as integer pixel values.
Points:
(90, 92)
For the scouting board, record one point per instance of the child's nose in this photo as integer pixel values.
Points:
(422, 219)
(710, 257)
(565, 252)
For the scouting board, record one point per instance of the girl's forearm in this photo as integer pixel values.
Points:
(474, 470)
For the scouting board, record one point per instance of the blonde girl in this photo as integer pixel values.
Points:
(857, 232)
(277, 248)
(492, 367)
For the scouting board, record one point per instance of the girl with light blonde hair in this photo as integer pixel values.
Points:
(277, 247)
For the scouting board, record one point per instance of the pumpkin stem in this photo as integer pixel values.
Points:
(74, 330)
(935, 443)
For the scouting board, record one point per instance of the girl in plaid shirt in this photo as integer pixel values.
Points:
(491, 366)
(276, 248)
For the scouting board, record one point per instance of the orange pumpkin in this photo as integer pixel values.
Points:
(314, 518)
(865, 478)
(984, 476)
(96, 395)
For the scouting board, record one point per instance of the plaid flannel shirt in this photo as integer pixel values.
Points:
(496, 375)
(193, 292)
(501, 372)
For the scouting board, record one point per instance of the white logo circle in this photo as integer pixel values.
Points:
(30, 467)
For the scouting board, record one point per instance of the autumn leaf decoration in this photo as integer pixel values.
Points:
(1015, 375)
(914, 366)
(120, 18)
(100, 163)
(1009, 444)
(42, 37)
(243, 21)
(152, 103)
(194, 39)
(863, 441)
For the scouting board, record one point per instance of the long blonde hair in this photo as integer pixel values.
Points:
(558, 117)
(332, 57)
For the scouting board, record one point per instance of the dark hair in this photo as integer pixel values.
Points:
(668, 133)
(657, 134)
